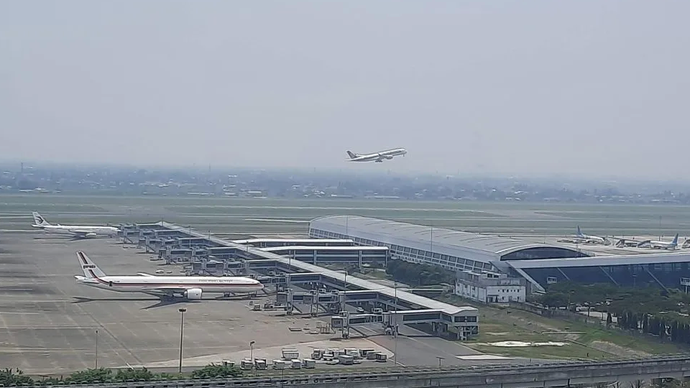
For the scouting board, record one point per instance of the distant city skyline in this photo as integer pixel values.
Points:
(16, 165)
(540, 88)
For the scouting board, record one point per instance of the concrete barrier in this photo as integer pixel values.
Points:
(497, 376)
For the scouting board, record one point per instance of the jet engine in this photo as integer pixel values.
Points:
(193, 293)
(90, 234)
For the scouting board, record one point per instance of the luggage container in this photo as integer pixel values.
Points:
(246, 364)
(260, 364)
(346, 360)
(290, 353)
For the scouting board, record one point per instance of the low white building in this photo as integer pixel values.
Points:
(489, 287)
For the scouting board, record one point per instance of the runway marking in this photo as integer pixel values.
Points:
(277, 220)
(18, 313)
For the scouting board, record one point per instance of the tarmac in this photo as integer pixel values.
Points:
(49, 324)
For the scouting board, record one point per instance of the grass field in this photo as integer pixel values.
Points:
(583, 341)
(261, 216)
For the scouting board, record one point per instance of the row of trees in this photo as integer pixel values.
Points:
(647, 310)
(670, 326)
(418, 274)
(614, 299)
(16, 377)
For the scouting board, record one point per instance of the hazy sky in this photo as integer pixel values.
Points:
(595, 87)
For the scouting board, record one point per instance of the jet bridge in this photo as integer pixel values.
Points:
(462, 321)
(441, 323)
(281, 242)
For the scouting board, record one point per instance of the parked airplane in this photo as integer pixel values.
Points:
(378, 156)
(76, 231)
(189, 287)
(661, 244)
(584, 238)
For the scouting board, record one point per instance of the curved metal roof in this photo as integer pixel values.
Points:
(474, 246)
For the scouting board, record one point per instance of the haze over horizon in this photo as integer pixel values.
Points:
(528, 88)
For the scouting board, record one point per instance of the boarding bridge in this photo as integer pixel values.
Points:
(186, 242)
(359, 255)
(341, 322)
(222, 253)
(441, 324)
(281, 242)
(165, 233)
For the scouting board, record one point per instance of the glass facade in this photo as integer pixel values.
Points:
(669, 275)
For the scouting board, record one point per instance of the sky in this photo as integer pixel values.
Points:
(535, 87)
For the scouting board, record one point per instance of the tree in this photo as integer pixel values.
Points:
(215, 370)
(10, 377)
(90, 376)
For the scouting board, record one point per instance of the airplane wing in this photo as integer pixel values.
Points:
(165, 290)
(81, 233)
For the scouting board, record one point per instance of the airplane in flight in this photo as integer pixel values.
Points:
(76, 231)
(188, 287)
(377, 156)
(587, 239)
(661, 244)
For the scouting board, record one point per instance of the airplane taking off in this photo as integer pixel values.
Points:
(76, 231)
(583, 238)
(661, 244)
(378, 156)
(189, 287)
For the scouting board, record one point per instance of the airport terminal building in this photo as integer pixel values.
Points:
(538, 264)
(447, 248)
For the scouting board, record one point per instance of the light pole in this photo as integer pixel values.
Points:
(395, 328)
(96, 348)
(182, 311)
(251, 351)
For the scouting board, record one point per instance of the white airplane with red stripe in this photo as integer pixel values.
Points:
(190, 287)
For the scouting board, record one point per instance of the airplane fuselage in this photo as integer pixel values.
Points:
(378, 156)
(152, 284)
(79, 230)
(657, 245)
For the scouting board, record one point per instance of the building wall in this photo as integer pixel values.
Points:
(470, 291)
(505, 294)
(490, 294)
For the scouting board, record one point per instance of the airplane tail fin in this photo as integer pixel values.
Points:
(90, 269)
(579, 232)
(351, 154)
(675, 240)
(39, 220)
